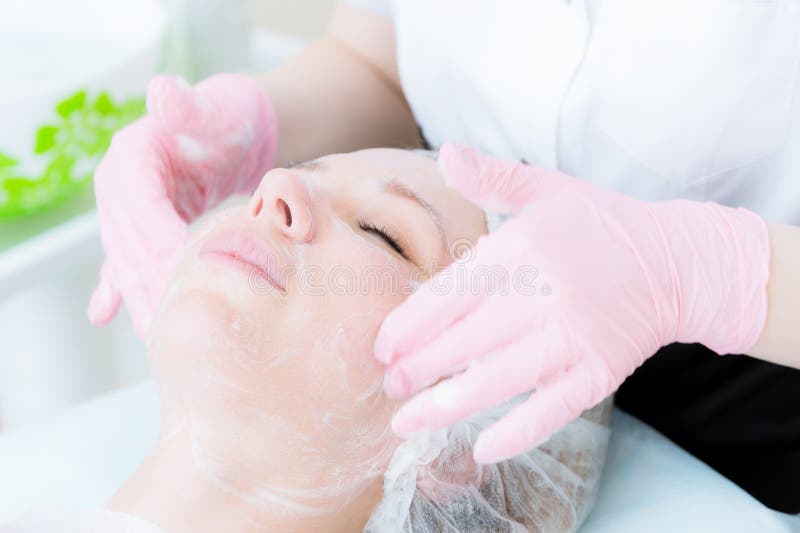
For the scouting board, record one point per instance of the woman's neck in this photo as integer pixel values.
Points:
(170, 490)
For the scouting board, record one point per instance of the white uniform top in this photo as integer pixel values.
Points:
(658, 99)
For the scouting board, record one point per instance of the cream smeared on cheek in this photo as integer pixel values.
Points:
(309, 415)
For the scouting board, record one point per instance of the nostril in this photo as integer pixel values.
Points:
(287, 212)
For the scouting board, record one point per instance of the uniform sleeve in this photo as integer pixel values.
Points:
(380, 7)
(100, 521)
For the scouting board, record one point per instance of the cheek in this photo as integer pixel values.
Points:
(344, 310)
(348, 410)
(347, 347)
(202, 339)
(217, 217)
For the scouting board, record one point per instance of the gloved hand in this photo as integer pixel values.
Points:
(196, 146)
(625, 277)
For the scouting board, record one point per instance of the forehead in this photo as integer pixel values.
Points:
(379, 166)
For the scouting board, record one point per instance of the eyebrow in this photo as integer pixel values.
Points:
(402, 190)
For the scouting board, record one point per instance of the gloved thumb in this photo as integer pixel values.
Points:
(105, 300)
(178, 106)
(499, 186)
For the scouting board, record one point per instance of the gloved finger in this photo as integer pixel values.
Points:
(501, 376)
(496, 185)
(178, 106)
(480, 332)
(142, 300)
(105, 300)
(236, 92)
(149, 229)
(141, 317)
(436, 304)
(150, 283)
(144, 241)
(164, 235)
(550, 408)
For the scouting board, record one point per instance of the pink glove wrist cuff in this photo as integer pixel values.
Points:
(722, 255)
(753, 258)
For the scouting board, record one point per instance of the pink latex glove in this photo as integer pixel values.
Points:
(626, 278)
(195, 147)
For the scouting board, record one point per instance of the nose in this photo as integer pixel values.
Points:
(283, 200)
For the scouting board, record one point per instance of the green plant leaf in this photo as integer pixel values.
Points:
(72, 144)
(60, 169)
(102, 139)
(69, 105)
(45, 138)
(6, 161)
(17, 183)
(104, 104)
(14, 191)
(130, 110)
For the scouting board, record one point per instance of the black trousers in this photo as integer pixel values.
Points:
(739, 415)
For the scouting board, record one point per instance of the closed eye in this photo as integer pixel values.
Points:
(385, 234)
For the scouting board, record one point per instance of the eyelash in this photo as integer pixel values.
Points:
(385, 234)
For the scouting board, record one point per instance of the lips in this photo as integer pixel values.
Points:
(241, 250)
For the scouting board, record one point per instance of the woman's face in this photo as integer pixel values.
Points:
(262, 347)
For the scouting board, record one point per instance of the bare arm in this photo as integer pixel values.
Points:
(342, 92)
(780, 340)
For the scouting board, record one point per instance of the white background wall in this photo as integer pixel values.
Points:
(303, 18)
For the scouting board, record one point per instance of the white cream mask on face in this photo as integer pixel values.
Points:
(279, 384)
